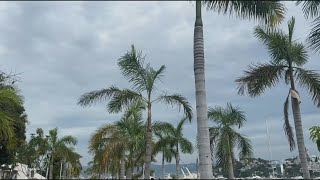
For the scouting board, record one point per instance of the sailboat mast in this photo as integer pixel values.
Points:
(269, 147)
(269, 144)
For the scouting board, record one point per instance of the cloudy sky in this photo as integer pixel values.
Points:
(64, 49)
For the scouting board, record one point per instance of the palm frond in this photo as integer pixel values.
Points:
(98, 96)
(309, 80)
(310, 8)
(180, 101)
(315, 135)
(313, 38)
(298, 54)
(291, 28)
(163, 128)
(276, 42)
(244, 145)
(7, 130)
(235, 115)
(123, 99)
(268, 12)
(185, 146)
(69, 140)
(222, 151)
(9, 99)
(258, 78)
(180, 124)
(152, 77)
(98, 138)
(214, 133)
(217, 114)
(286, 125)
(132, 67)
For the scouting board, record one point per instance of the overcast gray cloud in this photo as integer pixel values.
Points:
(64, 49)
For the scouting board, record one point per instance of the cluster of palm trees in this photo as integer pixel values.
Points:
(52, 156)
(143, 95)
(287, 58)
(284, 53)
(129, 145)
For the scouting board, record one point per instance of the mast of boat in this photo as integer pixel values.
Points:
(269, 147)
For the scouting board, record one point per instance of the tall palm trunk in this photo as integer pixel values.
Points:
(205, 165)
(51, 168)
(178, 163)
(130, 169)
(230, 163)
(148, 144)
(298, 127)
(122, 168)
(162, 166)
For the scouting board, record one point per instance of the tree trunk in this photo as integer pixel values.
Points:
(178, 169)
(122, 168)
(299, 130)
(51, 168)
(230, 162)
(162, 166)
(205, 164)
(64, 170)
(300, 139)
(130, 168)
(148, 145)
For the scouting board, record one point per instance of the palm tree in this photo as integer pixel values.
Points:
(269, 12)
(9, 101)
(144, 79)
(177, 140)
(224, 137)
(311, 10)
(287, 58)
(121, 141)
(164, 145)
(58, 147)
(315, 135)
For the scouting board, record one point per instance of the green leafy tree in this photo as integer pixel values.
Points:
(34, 152)
(268, 12)
(311, 10)
(144, 79)
(13, 119)
(315, 135)
(225, 138)
(176, 140)
(287, 58)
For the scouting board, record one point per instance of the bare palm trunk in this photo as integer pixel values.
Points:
(51, 168)
(298, 127)
(130, 169)
(177, 163)
(162, 166)
(230, 162)
(148, 145)
(122, 168)
(205, 165)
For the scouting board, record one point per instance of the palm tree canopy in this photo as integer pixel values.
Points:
(268, 12)
(144, 79)
(315, 135)
(283, 50)
(60, 146)
(175, 135)
(226, 119)
(285, 53)
(311, 10)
